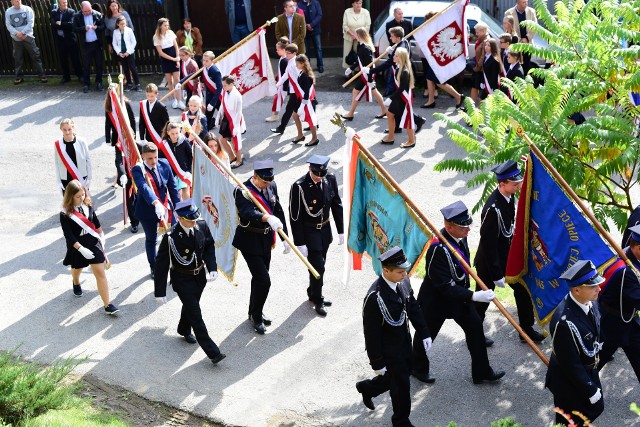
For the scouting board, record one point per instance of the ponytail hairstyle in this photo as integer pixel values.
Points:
(404, 63)
(306, 67)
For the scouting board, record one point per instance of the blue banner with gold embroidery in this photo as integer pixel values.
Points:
(551, 234)
(380, 218)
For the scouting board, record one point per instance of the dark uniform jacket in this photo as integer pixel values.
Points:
(305, 83)
(247, 239)
(441, 291)
(79, 27)
(493, 249)
(387, 344)
(212, 97)
(201, 244)
(159, 116)
(307, 200)
(634, 219)
(365, 55)
(66, 24)
(491, 70)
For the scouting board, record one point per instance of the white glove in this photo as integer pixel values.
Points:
(347, 72)
(303, 250)
(380, 371)
(188, 176)
(389, 49)
(365, 70)
(160, 210)
(123, 180)
(287, 248)
(387, 102)
(235, 131)
(593, 399)
(427, 342)
(161, 300)
(178, 86)
(499, 283)
(483, 296)
(340, 239)
(86, 252)
(274, 222)
(209, 107)
(213, 275)
(305, 102)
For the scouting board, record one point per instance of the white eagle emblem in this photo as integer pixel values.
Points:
(248, 75)
(446, 45)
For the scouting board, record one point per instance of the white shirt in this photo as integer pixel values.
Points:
(392, 285)
(91, 35)
(585, 307)
(166, 41)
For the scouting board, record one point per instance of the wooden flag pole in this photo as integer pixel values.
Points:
(223, 55)
(442, 239)
(406, 36)
(250, 196)
(124, 187)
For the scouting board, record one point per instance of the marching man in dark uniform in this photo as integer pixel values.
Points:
(184, 252)
(619, 302)
(496, 230)
(256, 236)
(572, 376)
(445, 294)
(388, 307)
(310, 200)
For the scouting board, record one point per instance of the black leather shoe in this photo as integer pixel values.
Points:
(347, 118)
(321, 70)
(425, 378)
(134, 229)
(432, 105)
(152, 274)
(320, 310)
(277, 130)
(86, 89)
(461, 105)
(77, 290)
(218, 358)
(419, 123)
(533, 334)
(491, 377)
(190, 338)
(265, 320)
(383, 142)
(488, 342)
(366, 399)
(398, 130)
(326, 302)
(259, 328)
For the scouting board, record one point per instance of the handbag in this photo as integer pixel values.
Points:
(351, 58)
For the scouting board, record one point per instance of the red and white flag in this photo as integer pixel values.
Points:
(444, 41)
(250, 66)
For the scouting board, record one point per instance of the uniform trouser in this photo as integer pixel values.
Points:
(572, 402)
(288, 111)
(28, 44)
(317, 259)
(92, 50)
(150, 236)
(189, 290)
(130, 196)
(68, 51)
(471, 324)
(396, 382)
(209, 114)
(481, 307)
(260, 283)
(631, 349)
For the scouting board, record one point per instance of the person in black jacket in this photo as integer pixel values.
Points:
(496, 231)
(514, 59)
(407, 26)
(66, 40)
(156, 113)
(445, 294)
(89, 25)
(492, 68)
(572, 376)
(619, 302)
(387, 310)
(182, 151)
(634, 219)
(184, 252)
(305, 94)
(111, 137)
(256, 235)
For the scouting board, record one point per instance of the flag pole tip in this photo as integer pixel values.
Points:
(337, 120)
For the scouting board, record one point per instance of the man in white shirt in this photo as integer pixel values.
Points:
(89, 25)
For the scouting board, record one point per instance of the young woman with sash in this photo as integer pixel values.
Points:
(492, 68)
(230, 120)
(176, 148)
(85, 241)
(400, 102)
(188, 66)
(306, 93)
(71, 157)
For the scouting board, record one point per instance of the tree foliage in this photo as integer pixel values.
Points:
(594, 54)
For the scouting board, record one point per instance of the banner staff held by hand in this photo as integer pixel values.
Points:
(248, 194)
(223, 55)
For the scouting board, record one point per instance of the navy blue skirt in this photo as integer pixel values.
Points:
(169, 66)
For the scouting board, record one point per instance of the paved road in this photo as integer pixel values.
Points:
(302, 373)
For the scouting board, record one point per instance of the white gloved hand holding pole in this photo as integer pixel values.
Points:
(427, 342)
(160, 210)
(86, 252)
(347, 72)
(213, 275)
(597, 396)
(365, 70)
(499, 283)
(161, 300)
(303, 250)
(124, 180)
(387, 102)
(380, 371)
(274, 222)
(178, 86)
(390, 49)
(209, 107)
(286, 246)
(483, 296)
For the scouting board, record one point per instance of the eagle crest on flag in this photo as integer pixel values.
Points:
(248, 74)
(446, 45)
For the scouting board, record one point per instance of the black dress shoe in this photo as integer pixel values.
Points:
(321, 70)
(218, 358)
(320, 310)
(347, 118)
(266, 321)
(425, 378)
(326, 302)
(77, 290)
(533, 334)
(381, 116)
(488, 342)
(134, 228)
(312, 143)
(461, 104)
(383, 142)
(307, 129)
(366, 399)
(419, 123)
(259, 328)
(152, 274)
(190, 338)
(432, 105)
(277, 130)
(86, 89)
(398, 130)
(493, 376)
(295, 141)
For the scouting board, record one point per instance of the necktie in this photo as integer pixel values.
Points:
(81, 210)
(123, 46)
(156, 176)
(592, 317)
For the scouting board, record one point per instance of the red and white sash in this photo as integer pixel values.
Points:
(306, 112)
(183, 71)
(366, 90)
(260, 198)
(233, 121)
(114, 120)
(154, 187)
(90, 228)
(171, 158)
(211, 86)
(147, 121)
(406, 121)
(68, 163)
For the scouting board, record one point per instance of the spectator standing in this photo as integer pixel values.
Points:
(522, 12)
(19, 21)
(313, 16)
(508, 25)
(89, 24)
(114, 11)
(190, 37)
(352, 19)
(124, 44)
(292, 25)
(66, 40)
(239, 15)
(165, 43)
(397, 21)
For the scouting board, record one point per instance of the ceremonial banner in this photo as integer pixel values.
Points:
(127, 144)
(213, 193)
(379, 217)
(250, 66)
(551, 234)
(444, 41)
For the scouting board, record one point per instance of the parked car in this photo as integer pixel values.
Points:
(415, 11)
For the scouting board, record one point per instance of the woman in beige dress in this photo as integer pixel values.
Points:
(353, 18)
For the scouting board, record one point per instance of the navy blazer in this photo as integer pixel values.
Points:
(66, 22)
(98, 21)
(159, 116)
(212, 97)
(144, 209)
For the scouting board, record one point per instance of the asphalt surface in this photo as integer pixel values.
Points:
(303, 371)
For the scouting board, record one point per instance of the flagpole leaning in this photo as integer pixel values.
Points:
(614, 245)
(406, 36)
(124, 187)
(224, 54)
(338, 121)
(237, 180)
